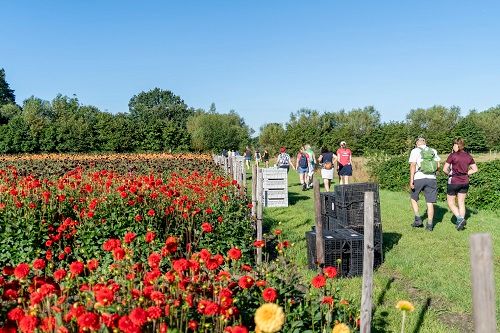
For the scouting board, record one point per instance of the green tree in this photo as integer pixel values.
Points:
(6, 94)
(155, 113)
(489, 121)
(304, 126)
(8, 111)
(356, 127)
(272, 137)
(473, 135)
(436, 124)
(214, 132)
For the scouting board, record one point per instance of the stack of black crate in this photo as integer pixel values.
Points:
(344, 209)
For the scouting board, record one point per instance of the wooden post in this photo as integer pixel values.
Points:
(483, 283)
(366, 296)
(320, 242)
(260, 204)
(254, 193)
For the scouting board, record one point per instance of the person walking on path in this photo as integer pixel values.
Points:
(424, 163)
(327, 160)
(257, 157)
(302, 167)
(265, 158)
(312, 165)
(283, 160)
(344, 163)
(248, 157)
(458, 166)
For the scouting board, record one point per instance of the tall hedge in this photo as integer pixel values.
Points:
(484, 193)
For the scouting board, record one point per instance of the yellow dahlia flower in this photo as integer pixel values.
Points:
(405, 306)
(269, 318)
(341, 328)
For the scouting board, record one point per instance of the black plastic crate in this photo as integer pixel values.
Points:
(343, 250)
(331, 223)
(377, 241)
(327, 200)
(354, 193)
(354, 214)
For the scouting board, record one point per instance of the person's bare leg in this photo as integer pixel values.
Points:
(461, 204)
(451, 204)
(414, 206)
(326, 183)
(430, 212)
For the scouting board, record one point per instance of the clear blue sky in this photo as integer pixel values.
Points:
(264, 59)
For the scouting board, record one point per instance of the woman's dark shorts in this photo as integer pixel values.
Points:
(453, 189)
(345, 170)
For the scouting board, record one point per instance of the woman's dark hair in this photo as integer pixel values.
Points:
(324, 149)
(460, 143)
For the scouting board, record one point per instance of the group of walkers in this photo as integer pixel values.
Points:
(306, 163)
(424, 164)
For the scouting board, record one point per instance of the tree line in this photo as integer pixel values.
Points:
(365, 133)
(158, 120)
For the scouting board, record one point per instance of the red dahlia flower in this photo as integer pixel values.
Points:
(76, 268)
(39, 264)
(245, 282)
(89, 321)
(318, 281)
(28, 324)
(234, 253)
(21, 271)
(330, 272)
(270, 295)
(138, 316)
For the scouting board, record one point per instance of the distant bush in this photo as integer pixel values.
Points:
(393, 174)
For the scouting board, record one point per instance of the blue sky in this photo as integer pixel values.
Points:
(264, 59)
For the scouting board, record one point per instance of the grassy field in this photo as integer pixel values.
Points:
(430, 269)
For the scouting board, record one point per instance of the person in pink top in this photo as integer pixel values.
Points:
(344, 163)
(459, 166)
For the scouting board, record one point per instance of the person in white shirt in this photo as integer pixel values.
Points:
(423, 180)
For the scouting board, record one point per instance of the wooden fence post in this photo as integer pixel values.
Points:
(254, 193)
(260, 204)
(483, 283)
(320, 242)
(366, 296)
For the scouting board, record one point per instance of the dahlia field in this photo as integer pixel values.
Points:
(147, 243)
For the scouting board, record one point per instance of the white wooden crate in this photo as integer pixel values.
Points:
(283, 202)
(275, 194)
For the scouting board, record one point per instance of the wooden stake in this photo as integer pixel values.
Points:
(260, 204)
(320, 242)
(483, 283)
(366, 296)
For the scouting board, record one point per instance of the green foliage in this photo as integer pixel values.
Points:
(435, 124)
(272, 137)
(214, 131)
(472, 133)
(6, 94)
(489, 121)
(484, 193)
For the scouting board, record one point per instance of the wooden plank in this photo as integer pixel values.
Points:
(275, 194)
(483, 283)
(320, 242)
(254, 193)
(368, 253)
(259, 214)
(277, 203)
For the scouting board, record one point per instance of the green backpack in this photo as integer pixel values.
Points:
(428, 165)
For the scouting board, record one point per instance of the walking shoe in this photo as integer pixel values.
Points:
(417, 223)
(304, 187)
(429, 226)
(461, 224)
